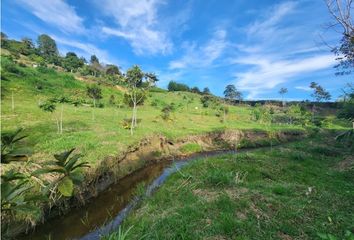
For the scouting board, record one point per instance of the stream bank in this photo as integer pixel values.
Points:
(117, 177)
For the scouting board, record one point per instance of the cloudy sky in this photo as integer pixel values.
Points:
(260, 46)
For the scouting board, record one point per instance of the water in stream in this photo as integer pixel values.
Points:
(105, 212)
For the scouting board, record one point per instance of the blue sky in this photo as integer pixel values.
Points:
(260, 46)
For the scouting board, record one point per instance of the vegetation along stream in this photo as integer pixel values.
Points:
(106, 212)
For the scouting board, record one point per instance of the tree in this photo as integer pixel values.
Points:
(175, 86)
(112, 70)
(319, 93)
(282, 92)
(195, 90)
(94, 59)
(49, 106)
(206, 91)
(347, 112)
(95, 93)
(95, 65)
(152, 78)
(137, 91)
(27, 46)
(47, 48)
(230, 92)
(71, 62)
(3, 39)
(340, 10)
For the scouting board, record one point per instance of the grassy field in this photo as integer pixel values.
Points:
(105, 136)
(302, 190)
(23, 89)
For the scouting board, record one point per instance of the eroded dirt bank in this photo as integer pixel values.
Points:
(160, 148)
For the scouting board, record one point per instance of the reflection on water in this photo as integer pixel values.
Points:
(98, 211)
(105, 212)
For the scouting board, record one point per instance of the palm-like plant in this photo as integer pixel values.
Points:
(66, 166)
(8, 140)
(16, 196)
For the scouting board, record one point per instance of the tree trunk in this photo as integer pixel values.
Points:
(132, 121)
(93, 109)
(58, 124)
(12, 101)
(136, 117)
(61, 118)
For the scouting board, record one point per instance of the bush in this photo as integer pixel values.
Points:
(8, 65)
(166, 111)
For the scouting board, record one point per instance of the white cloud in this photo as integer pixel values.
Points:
(204, 55)
(57, 13)
(138, 23)
(274, 15)
(267, 74)
(87, 48)
(277, 51)
(303, 88)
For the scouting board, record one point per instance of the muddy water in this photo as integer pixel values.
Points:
(106, 212)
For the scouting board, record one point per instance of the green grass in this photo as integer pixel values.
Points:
(295, 191)
(191, 148)
(105, 136)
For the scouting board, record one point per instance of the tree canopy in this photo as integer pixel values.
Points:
(231, 93)
(319, 93)
(47, 46)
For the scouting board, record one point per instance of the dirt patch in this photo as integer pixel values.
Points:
(235, 193)
(207, 195)
(284, 236)
(346, 164)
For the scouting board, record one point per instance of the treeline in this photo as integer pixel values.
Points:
(45, 52)
(181, 87)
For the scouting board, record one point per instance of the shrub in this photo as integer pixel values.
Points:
(166, 111)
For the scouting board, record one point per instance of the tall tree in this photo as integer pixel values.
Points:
(230, 92)
(47, 47)
(206, 91)
(319, 93)
(282, 92)
(137, 90)
(341, 12)
(95, 65)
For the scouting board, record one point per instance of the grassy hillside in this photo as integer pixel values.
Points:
(302, 190)
(25, 88)
(105, 135)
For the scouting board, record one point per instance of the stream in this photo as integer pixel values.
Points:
(104, 213)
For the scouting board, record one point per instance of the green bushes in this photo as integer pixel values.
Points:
(21, 197)
(166, 111)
